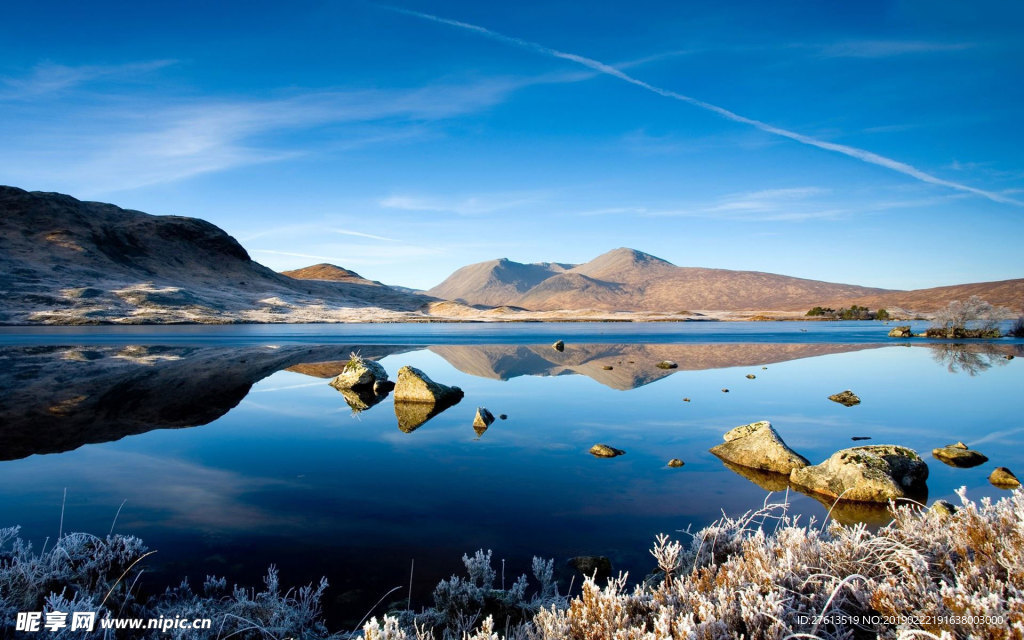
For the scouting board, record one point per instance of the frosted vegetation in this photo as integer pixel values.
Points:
(929, 574)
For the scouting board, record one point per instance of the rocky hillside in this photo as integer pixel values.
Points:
(630, 280)
(63, 261)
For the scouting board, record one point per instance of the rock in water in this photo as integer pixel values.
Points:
(597, 567)
(483, 419)
(675, 463)
(901, 332)
(958, 455)
(1003, 478)
(750, 376)
(418, 398)
(383, 387)
(359, 372)
(872, 473)
(846, 398)
(757, 445)
(944, 508)
(414, 386)
(667, 364)
(558, 346)
(604, 451)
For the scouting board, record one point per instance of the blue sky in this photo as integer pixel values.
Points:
(877, 143)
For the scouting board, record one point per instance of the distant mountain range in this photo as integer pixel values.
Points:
(630, 280)
(64, 261)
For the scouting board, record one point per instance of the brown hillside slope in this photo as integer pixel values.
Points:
(329, 272)
(1002, 293)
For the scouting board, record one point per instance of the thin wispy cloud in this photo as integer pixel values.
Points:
(357, 255)
(305, 229)
(48, 77)
(767, 200)
(889, 48)
(790, 204)
(114, 142)
(853, 152)
(470, 205)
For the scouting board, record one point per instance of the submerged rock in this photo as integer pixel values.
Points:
(483, 419)
(597, 567)
(871, 473)
(750, 376)
(1003, 478)
(901, 332)
(604, 451)
(414, 386)
(846, 398)
(851, 512)
(667, 364)
(675, 463)
(558, 346)
(503, 417)
(757, 445)
(359, 372)
(767, 480)
(958, 455)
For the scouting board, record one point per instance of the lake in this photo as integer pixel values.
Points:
(225, 449)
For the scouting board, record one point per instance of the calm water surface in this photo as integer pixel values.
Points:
(230, 451)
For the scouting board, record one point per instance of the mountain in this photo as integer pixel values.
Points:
(495, 282)
(630, 280)
(329, 272)
(64, 261)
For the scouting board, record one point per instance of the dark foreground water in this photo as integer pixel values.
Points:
(230, 452)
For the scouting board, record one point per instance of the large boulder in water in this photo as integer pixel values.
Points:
(758, 446)
(901, 332)
(418, 398)
(414, 386)
(872, 473)
(359, 372)
(958, 455)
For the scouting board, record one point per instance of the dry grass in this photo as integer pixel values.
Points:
(764, 575)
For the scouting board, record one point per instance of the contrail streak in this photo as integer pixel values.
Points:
(853, 152)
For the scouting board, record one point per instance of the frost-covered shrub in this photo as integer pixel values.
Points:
(461, 603)
(78, 568)
(84, 573)
(924, 574)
